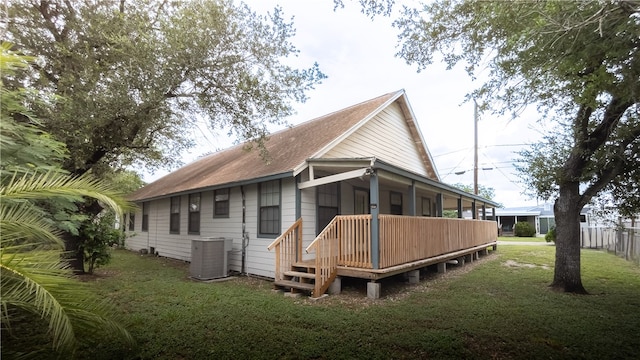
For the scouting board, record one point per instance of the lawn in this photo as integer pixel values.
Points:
(521, 239)
(499, 307)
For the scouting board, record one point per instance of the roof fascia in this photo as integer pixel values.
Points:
(418, 133)
(378, 164)
(222, 186)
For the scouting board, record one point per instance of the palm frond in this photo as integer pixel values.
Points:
(54, 184)
(23, 222)
(36, 282)
(30, 281)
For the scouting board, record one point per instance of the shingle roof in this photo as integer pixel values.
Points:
(288, 149)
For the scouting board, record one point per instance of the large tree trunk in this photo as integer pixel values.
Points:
(72, 243)
(74, 256)
(567, 208)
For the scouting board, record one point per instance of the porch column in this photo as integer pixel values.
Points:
(439, 205)
(374, 205)
(484, 212)
(298, 199)
(460, 208)
(474, 214)
(412, 199)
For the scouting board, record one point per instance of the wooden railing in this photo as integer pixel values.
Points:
(326, 249)
(409, 238)
(355, 241)
(346, 241)
(288, 248)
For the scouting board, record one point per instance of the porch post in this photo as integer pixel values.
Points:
(439, 205)
(460, 208)
(298, 199)
(484, 211)
(374, 197)
(412, 198)
(474, 214)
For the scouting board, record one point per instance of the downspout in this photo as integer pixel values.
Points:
(245, 234)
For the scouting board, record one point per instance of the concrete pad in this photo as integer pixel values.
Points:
(292, 294)
(336, 286)
(318, 298)
(373, 290)
(414, 276)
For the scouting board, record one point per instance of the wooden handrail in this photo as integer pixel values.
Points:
(288, 248)
(325, 245)
(284, 234)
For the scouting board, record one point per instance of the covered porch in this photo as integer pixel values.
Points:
(387, 221)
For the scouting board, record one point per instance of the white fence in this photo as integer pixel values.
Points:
(624, 242)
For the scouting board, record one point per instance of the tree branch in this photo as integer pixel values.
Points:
(611, 170)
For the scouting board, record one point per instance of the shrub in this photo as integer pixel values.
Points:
(524, 229)
(551, 235)
(99, 236)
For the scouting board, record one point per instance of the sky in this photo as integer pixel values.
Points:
(358, 56)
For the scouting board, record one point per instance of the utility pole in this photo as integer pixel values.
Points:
(475, 147)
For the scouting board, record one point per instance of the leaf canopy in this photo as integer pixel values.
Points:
(128, 80)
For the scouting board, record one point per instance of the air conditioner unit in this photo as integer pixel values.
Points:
(209, 258)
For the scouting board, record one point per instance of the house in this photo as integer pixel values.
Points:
(356, 188)
(541, 217)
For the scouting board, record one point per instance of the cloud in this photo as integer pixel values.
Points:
(357, 54)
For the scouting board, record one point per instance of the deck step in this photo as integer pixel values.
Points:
(307, 264)
(300, 274)
(294, 285)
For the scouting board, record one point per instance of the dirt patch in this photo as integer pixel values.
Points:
(515, 264)
(395, 288)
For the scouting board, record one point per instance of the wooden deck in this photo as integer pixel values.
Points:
(377, 274)
(405, 243)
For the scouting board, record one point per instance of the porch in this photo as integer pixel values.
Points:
(374, 247)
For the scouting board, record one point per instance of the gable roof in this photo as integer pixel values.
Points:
(288, 150)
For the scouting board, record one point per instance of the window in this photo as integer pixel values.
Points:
(145, 216)
(174, 220)
(194, 214)
(221, 203)
(269, 216)
(327, 204)
(426, 206)
(396, 203)
(132, 221)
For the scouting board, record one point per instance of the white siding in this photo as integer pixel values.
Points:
(308, 210)
(259, 261)
(387, 137)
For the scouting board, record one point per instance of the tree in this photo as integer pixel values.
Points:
(578, 63)
(35, 284)
(486, 192)
(125, 81)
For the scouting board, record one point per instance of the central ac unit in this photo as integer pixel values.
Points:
(209, 258)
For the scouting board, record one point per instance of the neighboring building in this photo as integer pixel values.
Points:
(539, 216)
(366, 163)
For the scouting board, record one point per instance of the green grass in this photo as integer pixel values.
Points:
(500, 307)
(521, 239)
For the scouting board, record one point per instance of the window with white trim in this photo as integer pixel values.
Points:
(269, 208)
